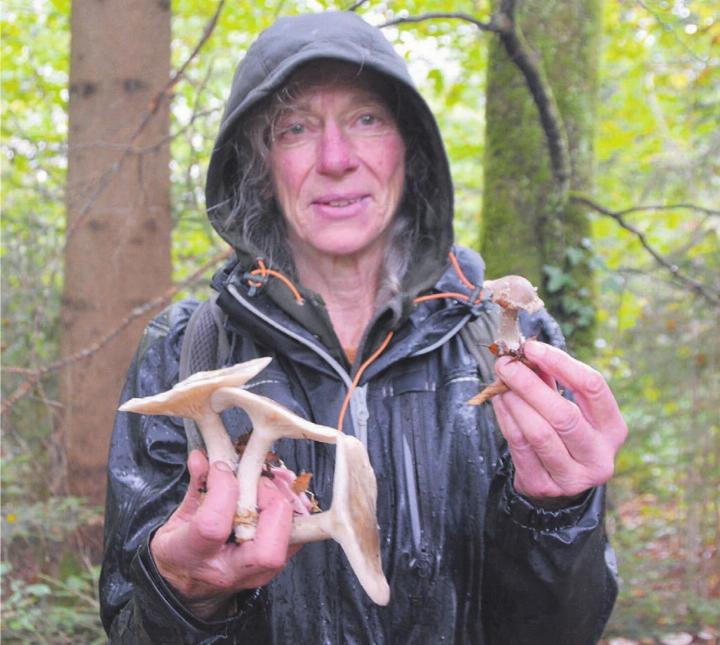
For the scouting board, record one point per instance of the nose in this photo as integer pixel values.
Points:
(336, 152)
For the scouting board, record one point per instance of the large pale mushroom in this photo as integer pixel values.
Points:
(514, 294)
(191, 399)
(271, 421)
(351, 519)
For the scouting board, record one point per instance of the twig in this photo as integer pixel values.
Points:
(667, 207)
(155, 104)
(137, 312)
(503, 23)
(484, 26)
(673, 31)
(689, 282)
(356, 5)
(531, 68)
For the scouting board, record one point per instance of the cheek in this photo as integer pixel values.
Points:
(287, 179)
(393, 168)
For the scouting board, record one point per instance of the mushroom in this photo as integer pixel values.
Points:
(191, 398)
(350, 520)
(271, 421)
(514, 294)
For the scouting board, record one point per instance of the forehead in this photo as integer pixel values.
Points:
(323, 76)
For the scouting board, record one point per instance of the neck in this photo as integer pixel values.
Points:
(348, 285)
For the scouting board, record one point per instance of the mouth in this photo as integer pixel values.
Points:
(341, 206)
(339, 201)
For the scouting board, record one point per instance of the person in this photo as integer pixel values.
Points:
(330, 181)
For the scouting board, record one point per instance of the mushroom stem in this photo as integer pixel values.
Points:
(514, 294)
(351, 518)
(271, 421)
(218, 444)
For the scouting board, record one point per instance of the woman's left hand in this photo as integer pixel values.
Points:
(559, 448)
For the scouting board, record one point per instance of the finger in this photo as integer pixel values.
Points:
(198, 468)
(531, 476)
(561, 417)
(544, 440)
(284, 480)
(592, 393)
(508, 426)
(213, 521)
(269, 548)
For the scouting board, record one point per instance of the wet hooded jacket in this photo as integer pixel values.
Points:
(467, 558)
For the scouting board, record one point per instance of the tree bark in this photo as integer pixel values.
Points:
(528, 225)
(117, 253)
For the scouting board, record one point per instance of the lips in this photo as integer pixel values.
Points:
(338, 205)
(339, 201)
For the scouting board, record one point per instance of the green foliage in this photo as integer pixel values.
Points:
(52, 610)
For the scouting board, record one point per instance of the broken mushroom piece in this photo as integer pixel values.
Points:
(191, 399)
(270, 421)
(514, 294)
(351, 518)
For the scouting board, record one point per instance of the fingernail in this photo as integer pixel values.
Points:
(536, 349)
(222, 466)
(508, 368)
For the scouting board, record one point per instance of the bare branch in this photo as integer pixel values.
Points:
(526, 60)
(34, 376)
(529, 64)
(356, 5)
(668, 207)
(484, 26)
(692, 284)
(155, 104)
(165, 92)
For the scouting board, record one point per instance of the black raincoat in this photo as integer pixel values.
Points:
(467, 558)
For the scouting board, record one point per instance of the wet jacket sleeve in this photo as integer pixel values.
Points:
(549, 576)
(147, 478)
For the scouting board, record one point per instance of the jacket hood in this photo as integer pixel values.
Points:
(294, 41)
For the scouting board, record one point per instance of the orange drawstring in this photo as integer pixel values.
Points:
(445, 294)
(264, 272)
(459, 271)
(356, 380)
(381, 349)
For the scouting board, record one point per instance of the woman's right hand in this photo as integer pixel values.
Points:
(192, 552)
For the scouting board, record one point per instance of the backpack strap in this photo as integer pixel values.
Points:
(204, 347)
(478, 335)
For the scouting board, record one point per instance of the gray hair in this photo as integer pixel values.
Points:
(256, 215)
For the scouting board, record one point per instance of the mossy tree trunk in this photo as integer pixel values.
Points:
(117, 253)
(529, 226)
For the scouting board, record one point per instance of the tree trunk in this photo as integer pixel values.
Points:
(117, 253)
(524, 229)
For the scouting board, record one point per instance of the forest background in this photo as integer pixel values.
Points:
(651, 245)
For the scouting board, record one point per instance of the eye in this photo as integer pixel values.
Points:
(368, 119)
(287, 131)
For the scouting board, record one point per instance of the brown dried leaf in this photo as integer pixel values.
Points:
(301, 483)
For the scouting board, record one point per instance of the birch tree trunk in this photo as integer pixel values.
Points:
(117, 253)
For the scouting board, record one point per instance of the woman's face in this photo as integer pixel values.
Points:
(338, 167)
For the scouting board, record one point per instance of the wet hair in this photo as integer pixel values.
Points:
(254, 212)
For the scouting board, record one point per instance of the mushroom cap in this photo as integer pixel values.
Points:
(354, 523)
(270, 417)
(191, 397)
(514, 292)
